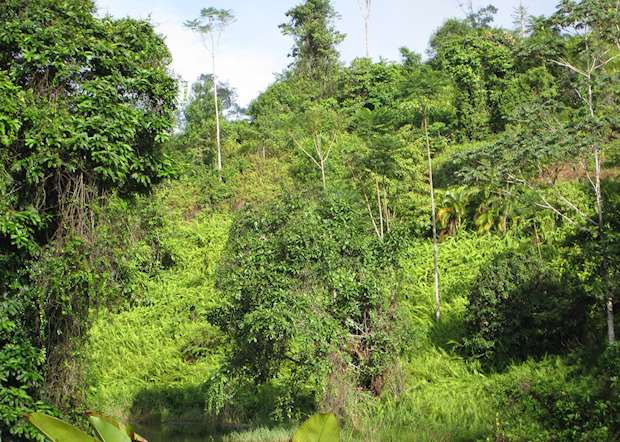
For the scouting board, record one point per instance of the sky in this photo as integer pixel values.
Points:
(252, 49)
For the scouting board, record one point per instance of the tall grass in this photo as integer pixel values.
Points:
(164, 339)
(260, 435)
(155, 356)
(445, 398)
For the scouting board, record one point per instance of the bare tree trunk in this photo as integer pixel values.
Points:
(372, 217)
(611, 333)
(594, 65)
(386, 210)
(366, 37)
(609, 301)
(522, 17)
(434, 224)
(323, 175)
(379, 208)
(217, 111)
(365, 6)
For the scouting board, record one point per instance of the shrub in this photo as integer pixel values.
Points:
(555, 402)
(518, 307)
(302, 281)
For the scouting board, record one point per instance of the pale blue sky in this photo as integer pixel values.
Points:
(252, 49)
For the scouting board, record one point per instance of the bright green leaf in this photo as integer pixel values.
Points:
(319, 428)
(108, 429)
(57, 430)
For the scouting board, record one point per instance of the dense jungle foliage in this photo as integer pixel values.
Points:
(428, 247)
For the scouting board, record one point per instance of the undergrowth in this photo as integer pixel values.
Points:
(153, 359)
(163, 340)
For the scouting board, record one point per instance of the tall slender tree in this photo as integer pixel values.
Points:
(365, 6)
(521, 19)
(591, 31)
(210, 26)
(199, 129)
(433, 218)
(596, 27)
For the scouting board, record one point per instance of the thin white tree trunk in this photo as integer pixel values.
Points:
(366, 36)
(379, 208)
(372, 217)
(609, 301)
(365, 6)
(386, 210)
(434, 224)
(217, 110)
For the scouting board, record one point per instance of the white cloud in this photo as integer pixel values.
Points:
(252, 49)
(245, 69)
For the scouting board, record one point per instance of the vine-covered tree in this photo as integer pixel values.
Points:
(311, 24)
(86, 105)
(479, 61)
(304, 291)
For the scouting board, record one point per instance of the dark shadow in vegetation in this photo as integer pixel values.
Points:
(161, 404)
(180, 414)
(574, 404)
(449, 173)
(449, 331)
(520, 308)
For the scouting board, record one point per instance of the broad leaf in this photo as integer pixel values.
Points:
(57, 430)
(108, 429)
(319, 428)
(135, 437)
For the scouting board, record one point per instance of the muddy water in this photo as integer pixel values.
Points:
(177, 432)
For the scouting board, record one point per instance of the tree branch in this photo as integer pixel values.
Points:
(575, 208)
(606, 62)
(372, 217)
(306, 152)
(331, 145)
(553, 209)
(570, 66)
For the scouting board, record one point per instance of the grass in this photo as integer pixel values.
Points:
(138, 358)
(163, 340)
(151, 360)
(460, 260)
(260, 435)
(445, 398)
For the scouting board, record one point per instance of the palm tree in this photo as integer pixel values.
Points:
(453, 210)
(496, 212)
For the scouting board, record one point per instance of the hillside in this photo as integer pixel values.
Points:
(427, 247)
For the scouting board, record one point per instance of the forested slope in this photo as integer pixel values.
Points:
(141, 279)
